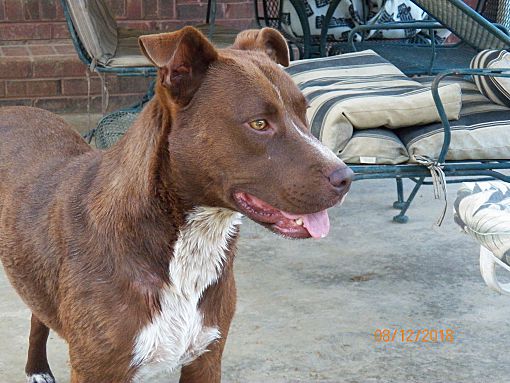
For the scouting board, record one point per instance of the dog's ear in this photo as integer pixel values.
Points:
(183, 58)
(268, 40)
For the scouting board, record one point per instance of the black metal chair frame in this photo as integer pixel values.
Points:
(275, 21)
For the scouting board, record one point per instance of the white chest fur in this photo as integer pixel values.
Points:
(177, 336)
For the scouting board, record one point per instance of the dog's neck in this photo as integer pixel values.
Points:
(136, 174)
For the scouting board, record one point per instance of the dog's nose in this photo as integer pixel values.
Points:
(341, 179)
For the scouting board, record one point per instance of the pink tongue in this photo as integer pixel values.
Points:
(317, 224)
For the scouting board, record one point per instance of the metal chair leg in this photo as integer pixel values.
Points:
(399, 203)
(401, 217)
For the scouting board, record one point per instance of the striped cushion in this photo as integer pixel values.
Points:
(374, 146)
(482, 209)
(497, 89)
(481, 133)
(362, 90)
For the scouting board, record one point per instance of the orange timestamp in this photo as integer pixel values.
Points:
(386, 335)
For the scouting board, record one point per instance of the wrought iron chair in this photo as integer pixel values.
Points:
(268, 13)
(474, 31)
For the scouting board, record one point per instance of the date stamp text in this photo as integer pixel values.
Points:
(425, 335)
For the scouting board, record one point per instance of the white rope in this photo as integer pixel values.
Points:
(87, 73)
(438, 182)
(105, 95)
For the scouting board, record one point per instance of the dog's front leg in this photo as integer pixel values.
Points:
(206, 368)
(218, 305)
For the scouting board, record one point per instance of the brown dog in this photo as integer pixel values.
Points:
(127, 253)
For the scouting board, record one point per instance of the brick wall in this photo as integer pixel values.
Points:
(39, 66)
(44, 20)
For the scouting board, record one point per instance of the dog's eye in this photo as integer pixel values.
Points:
(259, 124)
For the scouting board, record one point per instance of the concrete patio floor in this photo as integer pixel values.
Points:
(307, 310)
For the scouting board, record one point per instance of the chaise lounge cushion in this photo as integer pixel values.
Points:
(374, 146)
(497, 89)
(481, 133)
(128, 52)
(361, 90)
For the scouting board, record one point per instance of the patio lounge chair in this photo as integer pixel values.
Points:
(104, 48)
(476, 33)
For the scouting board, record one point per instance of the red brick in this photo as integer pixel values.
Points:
(31, 9)
(16, 102)
(149, 9)
(60, 31)
(65, 49)
(129, 85)
(61, 66)
(239, 24)
(238, 10)
(141, 25)
(13, 10)
(79, 104)
(78, 86)
(2, 88)
(2, 10)
(472, 3)
(192, 11)
(15, 51)
(31, 88)
(116, 85)
(49, 9)
(15, 89)
(170, 25)
(166, 9)
(60, 12)
(117, 7)
(68, 104)
(28, 31)
(41, 50)
(123, 101)
(23, 67)
(235, 1)
(133, 9)
(43, 88)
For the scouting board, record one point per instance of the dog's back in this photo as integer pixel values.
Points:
(31, 136)
(36, 147)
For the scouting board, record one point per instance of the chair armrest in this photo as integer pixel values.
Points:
(439, 105)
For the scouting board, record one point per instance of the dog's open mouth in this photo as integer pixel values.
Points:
(315, 225)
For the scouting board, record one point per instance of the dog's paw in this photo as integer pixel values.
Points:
(40, 378)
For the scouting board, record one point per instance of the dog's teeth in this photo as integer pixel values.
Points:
(299, 221)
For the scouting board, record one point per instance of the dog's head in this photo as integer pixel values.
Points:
(239, 136)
